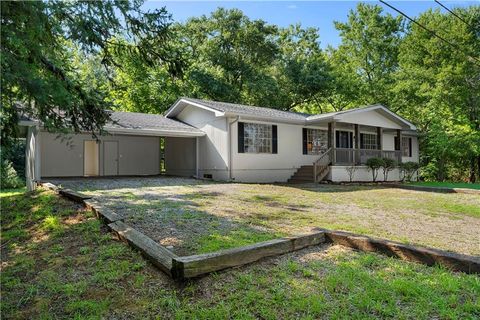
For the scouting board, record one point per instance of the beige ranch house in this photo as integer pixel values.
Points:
(227, 142)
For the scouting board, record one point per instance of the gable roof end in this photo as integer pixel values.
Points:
(234, 109)
(377, 107)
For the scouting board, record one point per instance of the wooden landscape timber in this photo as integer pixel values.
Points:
(196, 265)
(73, 195)
(102, 212)
(429, 256)
(160, 256)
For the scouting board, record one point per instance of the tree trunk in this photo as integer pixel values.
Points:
(441, 170)
(472, 170)
(478, 167)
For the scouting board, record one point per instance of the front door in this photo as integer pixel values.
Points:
(110, 158)
(344, 145)
(90, 158)
(344, 139)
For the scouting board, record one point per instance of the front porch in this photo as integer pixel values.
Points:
(354, 144)
(350, 144)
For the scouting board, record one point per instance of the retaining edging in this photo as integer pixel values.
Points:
(160, 256)
(429, 256)
(433, 189)
(197, 265)
(101, 212)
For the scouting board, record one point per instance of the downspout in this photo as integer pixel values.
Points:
(230, 152)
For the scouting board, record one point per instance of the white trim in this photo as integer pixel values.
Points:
(265, 119)
(28, 123)
(155, 132)
(197, 157)
(195, 104)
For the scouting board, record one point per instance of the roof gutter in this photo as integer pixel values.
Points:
(150, 132)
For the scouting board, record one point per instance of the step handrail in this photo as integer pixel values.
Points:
(323, 161)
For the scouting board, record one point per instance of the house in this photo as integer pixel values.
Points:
(227, 142)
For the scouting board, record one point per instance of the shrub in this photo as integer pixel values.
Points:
(374, 164)
(387, 166)
(351, 171)
(9, 177)
(408, 169)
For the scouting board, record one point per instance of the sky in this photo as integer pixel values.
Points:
(318, 14)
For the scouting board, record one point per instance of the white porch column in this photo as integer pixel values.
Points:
(32, 158)
(197, 157)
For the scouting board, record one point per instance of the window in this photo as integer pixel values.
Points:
(316, 141)
(257, 138)
(368, 141)
(406, 146)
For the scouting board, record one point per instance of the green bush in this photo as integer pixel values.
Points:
(16, 154)
(387, 166)
(408, 169)
(374, 164)
(9, 177)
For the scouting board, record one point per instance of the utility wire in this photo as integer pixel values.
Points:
(456, 47)
(454, 14)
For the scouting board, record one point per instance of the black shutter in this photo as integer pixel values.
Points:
(304, 134)
(274, 139)
(241, 148)
(337, 139)
(397, 144)
(409, 147)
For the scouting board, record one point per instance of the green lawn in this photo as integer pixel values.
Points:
(58, 261)
(465, 185)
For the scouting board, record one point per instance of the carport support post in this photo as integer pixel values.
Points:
(197, 157)
(32, 158)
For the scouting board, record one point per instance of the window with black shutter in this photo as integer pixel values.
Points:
(257, 138)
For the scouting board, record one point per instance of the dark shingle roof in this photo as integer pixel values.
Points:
(134, 120)
(241, 109)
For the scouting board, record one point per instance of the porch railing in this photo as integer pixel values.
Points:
(320, 167)
(360, 156)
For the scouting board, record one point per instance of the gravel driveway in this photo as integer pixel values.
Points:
(195, 216)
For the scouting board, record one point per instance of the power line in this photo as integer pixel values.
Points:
(455, 46)
(454, 14)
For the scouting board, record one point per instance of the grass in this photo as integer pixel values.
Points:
(203, 217)
(475, 186)
(70, 267)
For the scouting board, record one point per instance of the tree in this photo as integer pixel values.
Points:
(301, 69)
(367, 58)
(232, 58)
(229, 55)
(39, 40)
(439, 87)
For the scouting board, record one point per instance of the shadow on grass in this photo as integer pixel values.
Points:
(81, 273)
(177, 220)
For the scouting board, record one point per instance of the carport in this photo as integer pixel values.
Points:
(135, 144)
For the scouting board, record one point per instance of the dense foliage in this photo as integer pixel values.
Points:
(44, 44)
(58, 60)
